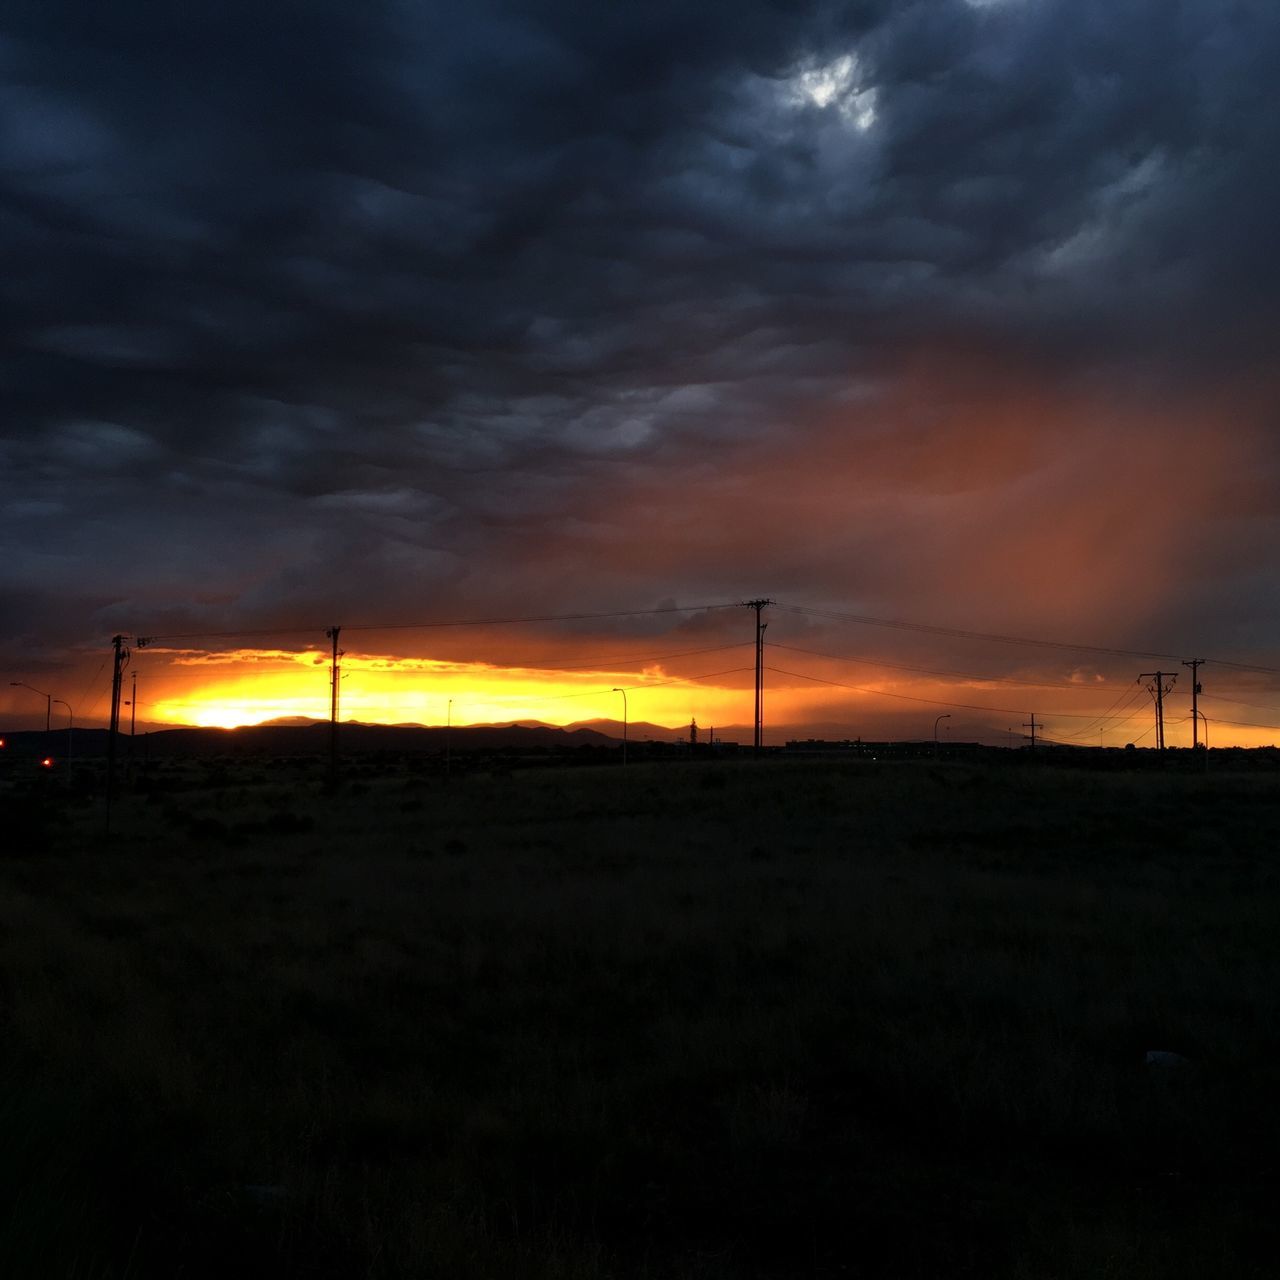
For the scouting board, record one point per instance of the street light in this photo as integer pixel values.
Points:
(946, 715)
(624, 723)
(48, 699)
(448, 740)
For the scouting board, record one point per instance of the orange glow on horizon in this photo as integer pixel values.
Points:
(251, 687)
(247, 687)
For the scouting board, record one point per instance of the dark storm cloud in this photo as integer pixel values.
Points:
(313, 306)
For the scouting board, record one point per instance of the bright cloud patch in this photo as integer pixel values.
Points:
(836, 85)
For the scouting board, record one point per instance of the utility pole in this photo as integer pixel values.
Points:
(133, 718)
(334, 676)
(1032, 726)
(1195, 665)
(758, 605)
(70, 718)
(624, 723)
(1158, 689)
(121, 660)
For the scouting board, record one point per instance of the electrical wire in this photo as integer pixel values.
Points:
(93, 679)
(905, 697)
(933, 702)
(958, 633)
(1255, 706)
(1243, 724)
(930, 671)
(640, 688)
(430, 626)
(199, 670)
(1129, 698)
(528, 664)
(993, 638)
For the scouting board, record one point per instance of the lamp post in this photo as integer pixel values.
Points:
(448, 740)
(624, 723)
(48, 700)
(946, 715)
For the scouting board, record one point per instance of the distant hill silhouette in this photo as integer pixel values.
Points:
(639, 730)
(309, 738)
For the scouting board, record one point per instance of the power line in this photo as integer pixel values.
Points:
(994, 638)
(931, 671)
(1244, 666)
(288, 658)
(905, 697)
(537, 664)
(1113, 712)
(1244, 724)
(429, 626)
(958, 633)
(1236, 702)
(1129, 698)
(93, 680)
(656, 684)
(933, 702)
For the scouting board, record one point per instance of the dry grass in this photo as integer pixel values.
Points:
(818, 1020)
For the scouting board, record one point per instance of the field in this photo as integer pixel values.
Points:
(687, 1020)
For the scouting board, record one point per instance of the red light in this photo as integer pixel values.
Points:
(47, 763)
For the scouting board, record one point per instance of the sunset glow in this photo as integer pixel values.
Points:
(252, 687)
(806, 696)
(965, 321)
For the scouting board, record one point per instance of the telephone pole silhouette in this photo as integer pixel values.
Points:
(120, 661)
(133, 718)
(1158, 689)
(334, 676)
(1195, 665)
(1032, 726)
(758, 605)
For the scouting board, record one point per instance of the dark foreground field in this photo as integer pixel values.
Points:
(673, 1021)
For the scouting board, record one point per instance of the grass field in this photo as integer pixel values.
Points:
(820, 1020)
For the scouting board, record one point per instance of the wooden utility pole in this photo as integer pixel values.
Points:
(1195, 664)
(334, 677)
(133, 718)
(1158, 689)
(758, 605)
(1032, 726)
(120, 661)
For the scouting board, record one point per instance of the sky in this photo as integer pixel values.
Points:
(954, 312)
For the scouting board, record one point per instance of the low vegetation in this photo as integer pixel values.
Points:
(684, 1020)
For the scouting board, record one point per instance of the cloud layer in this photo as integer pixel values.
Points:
(957, 310)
